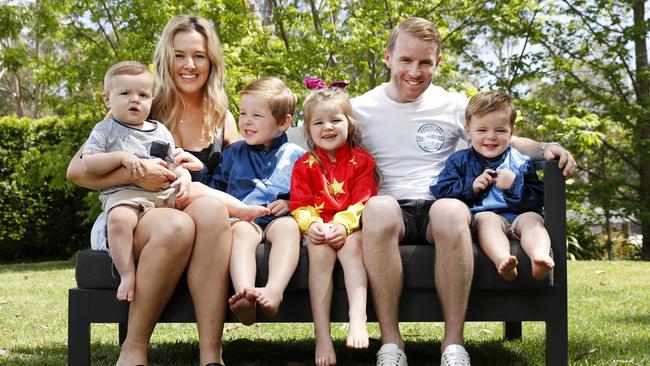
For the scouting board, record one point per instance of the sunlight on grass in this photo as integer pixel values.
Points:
(609, 324)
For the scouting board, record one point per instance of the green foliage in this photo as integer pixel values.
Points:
(43, 215)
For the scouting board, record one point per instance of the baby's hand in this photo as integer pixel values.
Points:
(505, 178)
(278, 207)
(186, 160)
(316, 233)
(483, 181)
(133, 165)
(335, 236)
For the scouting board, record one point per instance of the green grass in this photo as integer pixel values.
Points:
(609, 324)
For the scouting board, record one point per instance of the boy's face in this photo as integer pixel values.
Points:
(256, 122)
(490, 135)
(412, 64)
(130, 98)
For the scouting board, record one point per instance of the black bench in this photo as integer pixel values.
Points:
(491, 299)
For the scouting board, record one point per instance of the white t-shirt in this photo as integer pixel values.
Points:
(410, 141)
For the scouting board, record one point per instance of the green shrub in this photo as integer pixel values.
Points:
(43, 215)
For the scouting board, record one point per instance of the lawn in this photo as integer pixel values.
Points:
(609, 324)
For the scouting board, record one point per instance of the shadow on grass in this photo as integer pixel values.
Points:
(245, 352)
(37, 266)
(636, 319)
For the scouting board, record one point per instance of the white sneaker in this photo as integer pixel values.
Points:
(390, 355)
(454, 355)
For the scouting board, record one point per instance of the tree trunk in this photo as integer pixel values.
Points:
(643, 122)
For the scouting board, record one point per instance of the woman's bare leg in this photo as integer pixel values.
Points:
(163, 243)
(356, 286)
(207, 273)
(321, 264)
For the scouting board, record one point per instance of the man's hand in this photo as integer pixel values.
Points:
(504, 179)
(565, 160)
(278, 207)
(156, 175)
(133, 164)
(483, 181)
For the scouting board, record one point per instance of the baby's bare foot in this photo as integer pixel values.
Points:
(250, 212)
(244, 307)
(126, 290)
(542, 265)
(269, 300)
(325, 355)
(507, 268)
(357, 334)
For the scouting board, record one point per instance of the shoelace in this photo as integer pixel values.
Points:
(389, 359)
(456, 359)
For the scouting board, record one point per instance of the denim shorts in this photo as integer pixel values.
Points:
(415, 214)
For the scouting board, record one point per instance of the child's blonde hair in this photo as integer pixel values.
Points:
(276, 93)
(338, 97)
(123, 68)
(168, 100)
(490, 101)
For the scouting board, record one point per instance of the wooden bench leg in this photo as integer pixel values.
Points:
(511, 331)
(557, 339)
(123, 329)
(78, 329)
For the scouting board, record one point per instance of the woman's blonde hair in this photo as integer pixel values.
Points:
(167, 96)
(338, 97)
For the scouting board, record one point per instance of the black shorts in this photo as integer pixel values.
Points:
(415, 214)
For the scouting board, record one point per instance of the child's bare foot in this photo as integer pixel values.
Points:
(243, 305)
(246, 212)
(269, 300)
(542, 265)
(126, 290)
(507, 268)
(325, 355)
(357, 334)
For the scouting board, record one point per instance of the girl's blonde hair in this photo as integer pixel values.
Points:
(339, 98)
(167, 96)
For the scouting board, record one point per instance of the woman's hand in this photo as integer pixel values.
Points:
(156, 175)
(187, 160)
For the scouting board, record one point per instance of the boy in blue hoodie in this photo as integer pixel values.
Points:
(500, 186)
(258, 171)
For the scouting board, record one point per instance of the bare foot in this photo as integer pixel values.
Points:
(507, 268)
(249, 212)
(357, 334)
(542, 265)
(126, 290)
(243, 305)
(325, 355)
(132, 355)
(269, 300)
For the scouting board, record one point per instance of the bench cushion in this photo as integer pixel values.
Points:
(93, 270)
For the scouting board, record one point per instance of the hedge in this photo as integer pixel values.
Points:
(43, 216)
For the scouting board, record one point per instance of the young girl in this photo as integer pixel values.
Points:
(329, 188)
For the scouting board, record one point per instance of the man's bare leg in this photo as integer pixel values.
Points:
(449, 228)
(382, 228)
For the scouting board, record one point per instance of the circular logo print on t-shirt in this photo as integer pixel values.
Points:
(430, 137)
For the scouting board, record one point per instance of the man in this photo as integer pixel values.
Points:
(411, 126)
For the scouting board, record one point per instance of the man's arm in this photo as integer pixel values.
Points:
(545, 151)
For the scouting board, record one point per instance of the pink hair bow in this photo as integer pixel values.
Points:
(316, 83)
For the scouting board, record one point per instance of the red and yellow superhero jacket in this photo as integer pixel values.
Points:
(333, 192)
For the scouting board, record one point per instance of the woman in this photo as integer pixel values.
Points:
(191, 101)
